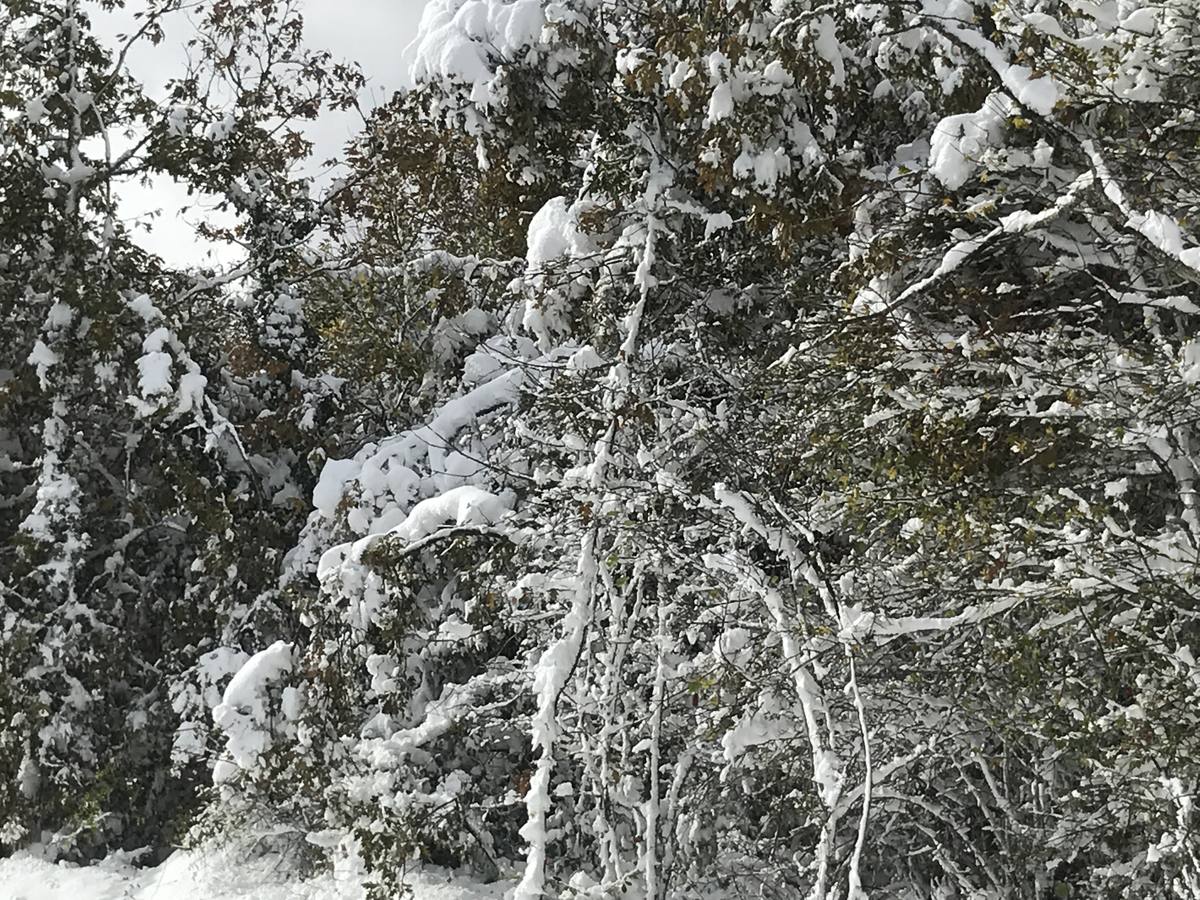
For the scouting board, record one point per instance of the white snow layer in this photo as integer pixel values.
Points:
(246, 688)
(1039, 95)
(243, 710)
(554, 232)
(959, 142)
(464, 505)
(210, 875)
(460, 40)
(383, 476)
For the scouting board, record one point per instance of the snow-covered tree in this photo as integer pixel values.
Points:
(152, 427)
(808, 505)
(755, 448)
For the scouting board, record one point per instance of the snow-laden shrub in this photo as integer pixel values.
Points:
(814, 513)
(151, 428)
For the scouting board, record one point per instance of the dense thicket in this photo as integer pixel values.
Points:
(152, 422)
(763, 460)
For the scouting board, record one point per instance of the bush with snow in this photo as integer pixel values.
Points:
(751, 451)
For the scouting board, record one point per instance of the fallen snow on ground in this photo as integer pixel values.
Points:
(188, 875)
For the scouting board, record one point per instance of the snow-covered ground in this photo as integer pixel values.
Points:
(188, 875)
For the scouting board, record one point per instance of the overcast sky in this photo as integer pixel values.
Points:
(373, 33)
